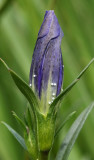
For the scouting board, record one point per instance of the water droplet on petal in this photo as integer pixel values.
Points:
(53, 98)
(53, 94)
(49, 102)
(53, 84)
(34, 75)
(30, 84)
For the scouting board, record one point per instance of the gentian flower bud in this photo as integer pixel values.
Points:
(46, 73)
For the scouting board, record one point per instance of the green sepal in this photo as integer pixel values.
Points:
(60, 97)
(29, 118)
(45, 132)
(16, 135)
(30, 135)
(19, 121)
(72, 134)
(31, 143)
(64, 122)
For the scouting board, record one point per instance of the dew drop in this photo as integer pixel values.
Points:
(49, 102)
(30, 84)
(53, 84)
(34, 75)
(53, 94)
(53, 98)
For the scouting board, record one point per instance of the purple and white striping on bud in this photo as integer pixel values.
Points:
(46, 73)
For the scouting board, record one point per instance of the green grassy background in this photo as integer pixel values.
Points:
(20, 21)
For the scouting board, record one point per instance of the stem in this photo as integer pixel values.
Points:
(44, 155)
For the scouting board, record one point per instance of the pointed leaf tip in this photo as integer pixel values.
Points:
(19, 121)
(64, 122)
(85, 69)
(3, 62)
(72, 134)
(16, 135)
(23, 87)
(60, 97)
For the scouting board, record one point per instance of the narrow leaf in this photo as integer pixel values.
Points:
(16, 135)
(60, 97)
(72, 134)
(64, 122)
(19, 120)
(23, 87)
(29, 118)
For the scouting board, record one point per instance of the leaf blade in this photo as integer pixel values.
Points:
(72, 134)
(16, 135)
(64, 122)
(23, 87)
(19, 121)
(66, 90)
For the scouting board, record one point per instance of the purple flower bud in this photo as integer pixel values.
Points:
(46, 73)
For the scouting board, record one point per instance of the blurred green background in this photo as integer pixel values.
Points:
(20, 21)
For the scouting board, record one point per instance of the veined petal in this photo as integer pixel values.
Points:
(46, 71)
(61, 74)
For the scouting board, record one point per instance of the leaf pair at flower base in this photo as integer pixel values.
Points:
(29, 94)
